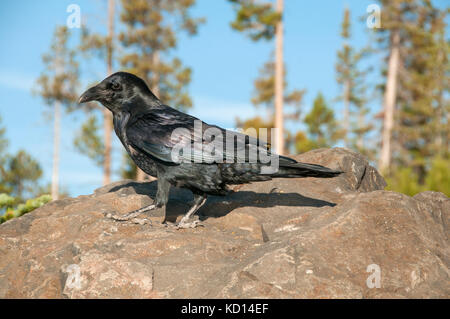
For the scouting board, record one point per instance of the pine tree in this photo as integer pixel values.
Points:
(149, 39)
(392, 20)
(323, 130)
(351, 80)
(264, 96)
(3, 141)
(421, 104)
(103, 46)
(22, 173)
(88, 142)
(261, 20)
(58, 85)
(416, 30)
(19, 173)
(128, 169)
(3, 156)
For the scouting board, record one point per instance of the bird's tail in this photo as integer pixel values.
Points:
(289, 167)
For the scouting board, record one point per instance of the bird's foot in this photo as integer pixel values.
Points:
(132, 216)
(132, 219)
(183, 224)
(192, 224)
(188, 223)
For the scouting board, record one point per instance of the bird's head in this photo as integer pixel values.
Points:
(119, 92)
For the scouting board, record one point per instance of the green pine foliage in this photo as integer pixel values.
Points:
(3, 155)
(19, 177)
(322, 127)
(255, 18)
(21, 174)
(88, 141)
(149, 38)
(351, 80)
(7, 202)
(59, 81)
(404, 180)
(421, 131)
(128, 169)
(438, 177)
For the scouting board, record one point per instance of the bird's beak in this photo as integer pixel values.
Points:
(90, 95)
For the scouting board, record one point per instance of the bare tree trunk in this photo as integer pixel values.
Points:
(441, 128)
(346, 112)
(279, 77)
(390, 96)
(107, 116)
(56, 138)
(155, 78)
(360, 140)
(140, 175)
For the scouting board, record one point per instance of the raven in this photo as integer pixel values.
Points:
(180, 150)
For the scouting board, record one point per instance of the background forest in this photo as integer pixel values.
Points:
(372, 76)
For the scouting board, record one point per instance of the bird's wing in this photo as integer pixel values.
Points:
(172, 136)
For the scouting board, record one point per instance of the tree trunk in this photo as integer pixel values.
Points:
(390, 96)
(140, 175)
(346, 112)
(279, 77)
(56, 138)
(360, 137)
(155, 77)
(107, 116)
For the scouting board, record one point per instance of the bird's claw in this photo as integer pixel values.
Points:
(184, 224)
(129, 218)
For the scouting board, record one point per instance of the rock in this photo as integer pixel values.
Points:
(439, 206)
(287, 238)
(359, 175)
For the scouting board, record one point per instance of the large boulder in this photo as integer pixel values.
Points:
(286, 238)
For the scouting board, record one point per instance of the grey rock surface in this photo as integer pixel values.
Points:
(286, 238)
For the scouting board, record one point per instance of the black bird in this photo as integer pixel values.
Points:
(152, 133)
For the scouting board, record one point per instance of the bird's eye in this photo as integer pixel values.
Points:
(115, 86)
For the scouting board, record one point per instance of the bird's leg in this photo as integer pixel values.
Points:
(199, 201)
(162, 196)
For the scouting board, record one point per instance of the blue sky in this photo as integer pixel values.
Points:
(224, 64)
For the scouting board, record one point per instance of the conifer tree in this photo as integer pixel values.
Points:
(323, 130)
(419, 119)
(88, 141)
(3, 157)
(422, 99)
(264, 96)
(58, 85)
(21, 174)
(150, 35)
(354, 97)
(263, 20)
(3, 142)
